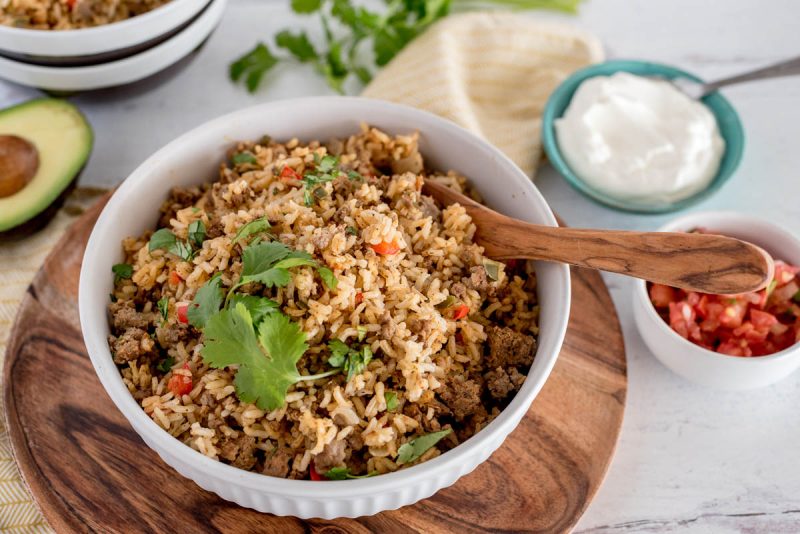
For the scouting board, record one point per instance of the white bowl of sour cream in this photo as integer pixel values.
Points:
(622, 134)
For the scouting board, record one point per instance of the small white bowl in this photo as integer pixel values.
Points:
(194, 158)
(22, 42)
(701, 365)
(122, 71)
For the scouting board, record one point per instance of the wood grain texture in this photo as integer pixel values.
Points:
(90, 472)
(696, 262)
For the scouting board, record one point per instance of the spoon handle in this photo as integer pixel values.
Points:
(784, 68)
(695, 262)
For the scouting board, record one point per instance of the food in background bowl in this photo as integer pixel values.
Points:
(750, 324)
(71, 14)
(312, 315)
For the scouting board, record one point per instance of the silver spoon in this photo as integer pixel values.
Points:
(697, 90)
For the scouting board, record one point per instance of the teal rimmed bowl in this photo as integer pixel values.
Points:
(730, 128)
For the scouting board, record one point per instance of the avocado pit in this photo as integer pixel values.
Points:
(19, 161)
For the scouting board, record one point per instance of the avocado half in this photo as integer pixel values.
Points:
(44, 145)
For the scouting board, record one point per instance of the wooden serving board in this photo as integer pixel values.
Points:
(90, 472)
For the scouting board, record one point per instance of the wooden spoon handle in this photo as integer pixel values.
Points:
(696, 262)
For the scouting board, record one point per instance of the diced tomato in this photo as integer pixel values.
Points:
(174, 278)
(359, 298)
(386, 248)
(733, 314)
(784, 273)
(734, 347)
(180, 384)
(460, 311)
(183, 308)
(71, 3)
(313, 472)
(288, 173)
(680, 315)
(662, 295)
(762, 320)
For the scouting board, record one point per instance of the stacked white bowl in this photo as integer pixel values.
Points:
(108, 55)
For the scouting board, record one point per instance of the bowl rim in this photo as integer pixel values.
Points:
(100, 39)
(121, 71)
(447, 462)
(679, 224)
(554, 155)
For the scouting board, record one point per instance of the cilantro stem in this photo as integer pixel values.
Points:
(310, 378)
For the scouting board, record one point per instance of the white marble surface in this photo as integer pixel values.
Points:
(689, 459)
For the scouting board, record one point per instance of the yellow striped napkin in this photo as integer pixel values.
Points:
(489, 72)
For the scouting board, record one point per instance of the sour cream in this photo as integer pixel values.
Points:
(639, 139)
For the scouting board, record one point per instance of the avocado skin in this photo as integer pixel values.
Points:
(43, 217)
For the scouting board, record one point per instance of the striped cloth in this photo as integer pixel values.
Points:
(489, 72)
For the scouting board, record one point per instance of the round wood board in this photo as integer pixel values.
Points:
(89, 471)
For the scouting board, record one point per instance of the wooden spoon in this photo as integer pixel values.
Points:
(695, 262)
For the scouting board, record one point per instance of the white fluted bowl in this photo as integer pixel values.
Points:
(193, 158)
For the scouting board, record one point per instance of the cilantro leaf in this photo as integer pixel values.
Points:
(243, 157)
(297, 44)
(206, 302)
(262, 256)
(306, 6)
(255, 226)
(391, 401)
(253, 65)
(328, 278)
(121, 271)
(197, 233)
(258, 307)
(266, 360)
(351, 361)
(166, 364)
(343, 473)
(163, 307)
(412, 450)
(164, 239)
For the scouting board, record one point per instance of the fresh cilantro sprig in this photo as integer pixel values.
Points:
(266, 357)
(206, 302)
(357, 40)
(412, 450)
(269, 264)
(352, 361)
(254, 227)
(122, 271)
(326, 169)
(391, 401)
(164, 239)
(343, 473)
(163, 308)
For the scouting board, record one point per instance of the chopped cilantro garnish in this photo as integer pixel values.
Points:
(206, 302)
(243, 157)
(166, 364)
(256, 226)
(351, 230)
(122, 271)
(352, 361)
(269, 264)
(391, 401)
(408, 452)
(164, 239)
(343, 473)
(326, 170)
(259, 307)
(163, 307)
(197, 233)
(266, 359)
(796, 297)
